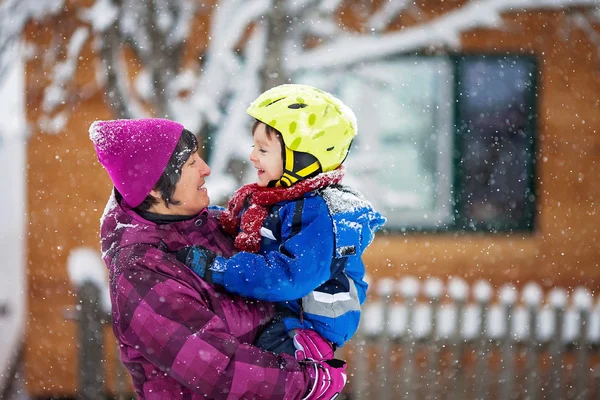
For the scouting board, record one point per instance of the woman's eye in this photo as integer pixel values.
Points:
(262, 151)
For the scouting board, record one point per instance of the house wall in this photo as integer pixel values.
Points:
(67, 191)
(561, 251)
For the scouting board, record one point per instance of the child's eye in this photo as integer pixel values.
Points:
(262, 151)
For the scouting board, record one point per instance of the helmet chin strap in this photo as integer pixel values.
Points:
(297, 166)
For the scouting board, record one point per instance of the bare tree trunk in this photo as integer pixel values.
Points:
(158, 63)
(114, 94)
(277, 25)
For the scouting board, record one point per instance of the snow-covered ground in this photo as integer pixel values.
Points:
(13, 208)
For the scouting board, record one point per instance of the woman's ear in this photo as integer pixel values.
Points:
(155, 194)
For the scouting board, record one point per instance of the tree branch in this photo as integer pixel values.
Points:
(582, 21)
(444, 30)
(388, 11)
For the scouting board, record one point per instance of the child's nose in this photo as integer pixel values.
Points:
(253, 155)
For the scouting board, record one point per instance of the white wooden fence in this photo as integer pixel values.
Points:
(445, 340)
(428, 340)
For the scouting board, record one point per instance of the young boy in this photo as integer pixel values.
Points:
(301, 233)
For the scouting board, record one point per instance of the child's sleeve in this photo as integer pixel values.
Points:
(302, 263)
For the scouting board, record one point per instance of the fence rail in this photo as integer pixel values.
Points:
(431, 340)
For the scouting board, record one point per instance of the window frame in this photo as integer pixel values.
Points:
(458, 222)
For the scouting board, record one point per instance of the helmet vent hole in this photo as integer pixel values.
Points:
(296, 106)
(331, 148)
(270, 102)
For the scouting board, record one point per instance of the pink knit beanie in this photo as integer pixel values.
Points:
(135, 152)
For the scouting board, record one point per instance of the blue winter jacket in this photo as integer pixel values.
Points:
(310, 261)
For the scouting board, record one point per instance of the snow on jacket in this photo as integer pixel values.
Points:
(179, 337)
(310, 260)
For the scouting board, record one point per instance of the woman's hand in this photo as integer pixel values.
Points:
(328, 373)
(329, 378)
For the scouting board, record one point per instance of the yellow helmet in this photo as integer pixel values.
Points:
(310, 121)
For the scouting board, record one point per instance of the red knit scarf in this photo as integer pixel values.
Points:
(259, 200)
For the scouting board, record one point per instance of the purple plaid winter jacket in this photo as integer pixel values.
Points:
(181, 338)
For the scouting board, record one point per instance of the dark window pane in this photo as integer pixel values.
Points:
(495, 143)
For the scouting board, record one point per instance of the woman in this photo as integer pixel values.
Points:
(179, 336)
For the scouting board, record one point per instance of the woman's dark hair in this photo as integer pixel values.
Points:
(186, 146)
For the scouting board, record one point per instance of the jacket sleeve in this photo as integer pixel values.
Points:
(302, 263)
(171, 324)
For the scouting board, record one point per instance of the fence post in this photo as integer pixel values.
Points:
(91, 337)
(361, 363)
(386, 290)
(458, 291)
(597, 380)
(409, 289)
(120, 376)
(483, 294)
(558, 302)
(532, 296)
(433, 290)
(508, 298)
(583, 303)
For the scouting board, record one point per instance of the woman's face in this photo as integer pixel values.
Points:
(189, 191)
(266, 156)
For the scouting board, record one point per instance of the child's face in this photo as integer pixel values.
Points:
(266, 156)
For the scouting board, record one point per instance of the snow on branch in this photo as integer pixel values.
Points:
(583, 22)
(236, 25)
(15, 14)
(330, 5)
(221, 62)
(445, 30)
(237, 122)
(101, 15)
(64, 71)
(388, 11)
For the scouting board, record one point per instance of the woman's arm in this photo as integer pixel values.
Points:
(173, 327)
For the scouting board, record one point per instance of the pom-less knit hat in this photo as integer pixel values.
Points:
(135, 152)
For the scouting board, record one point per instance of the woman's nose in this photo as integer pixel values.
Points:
(204, 168)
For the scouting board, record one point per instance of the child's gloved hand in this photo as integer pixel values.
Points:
(197, 258)
(329, 378)
(309, 344)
